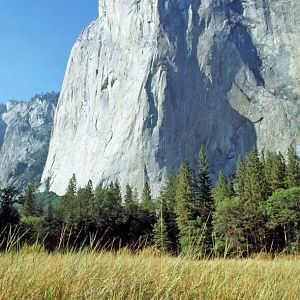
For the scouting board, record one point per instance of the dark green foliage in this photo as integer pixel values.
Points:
(168, 206)
(9, 215)
(222, 190)
(204, 203)
(47, 201)
(185, 209)
(160, 235)
(255, 194)
(147, 202)
(229, 227)
(107, 210)
(239, 179)
(129, 200)
(275, 169)
(131, 220)
(257, 209)
(283, 214)
(66, 209)
(29, 207)
(255, 185)
(292, 169)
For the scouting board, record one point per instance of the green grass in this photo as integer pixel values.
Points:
(34, 274)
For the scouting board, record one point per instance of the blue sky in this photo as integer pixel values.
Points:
(36, 37)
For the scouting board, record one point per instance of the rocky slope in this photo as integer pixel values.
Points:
(25, 129)
(149, 81)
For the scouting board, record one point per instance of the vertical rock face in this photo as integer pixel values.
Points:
(149, 81)
(25, 129)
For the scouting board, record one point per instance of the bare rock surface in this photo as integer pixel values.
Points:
(25, 129)
(150, 81)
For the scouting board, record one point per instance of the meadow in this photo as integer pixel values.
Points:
(32, 273)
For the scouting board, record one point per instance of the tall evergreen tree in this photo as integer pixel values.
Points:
(185, 206)
(8, 213)
(160, 234)
(255, 185)
(275, 167)
(292, 169)
(128, 199)
(221, 191)
(168, 205)
(67, 206)
(256, 193)
(29, 207)
(204, 202)
(147, 202)
(204, 197)
(239, 179)
(84, 201)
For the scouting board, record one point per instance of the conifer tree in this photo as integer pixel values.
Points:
(160, 234)
(84, 201)
(221, 190)
(278, 173)
(292, 169)
(185, 206)
(128, 196)
(168, 204)
(117, 192)
(274, 166)
(147, 202)
(29, 206)
(130, 202)
(113, 203)
(239, 179)
(67, 207)
(8, 213)
(204, 197)
(204, 203)
(255, 186)
(230, 182)
(256, 193)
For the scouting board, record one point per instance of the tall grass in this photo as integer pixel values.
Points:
(32, 273)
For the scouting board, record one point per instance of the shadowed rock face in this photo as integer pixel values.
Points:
(25, 129)
(149, 81)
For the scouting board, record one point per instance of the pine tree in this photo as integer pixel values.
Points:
(160, 235)
(128, 196)
(67, 207)
(8, 213)
(222, 189)
(117, 192)
(204, 204)
(274, 167)
(84, 201)
(278, 173)
(239, 179)
(292, 169)
(29, 206)
(255, 195)
(255, 185)
(168, 206)
(204, 197)
(185, 206)
(130, 203)
(147, 202)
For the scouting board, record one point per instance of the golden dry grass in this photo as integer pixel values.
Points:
(34, 274)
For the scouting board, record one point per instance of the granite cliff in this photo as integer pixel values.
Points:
(25, 129)
(149, 81)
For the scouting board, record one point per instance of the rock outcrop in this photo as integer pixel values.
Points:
(150, 81)
(25, 129)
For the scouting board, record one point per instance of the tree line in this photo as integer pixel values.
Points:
(255, 209)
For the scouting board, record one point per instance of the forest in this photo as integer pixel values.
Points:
(254, 210)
